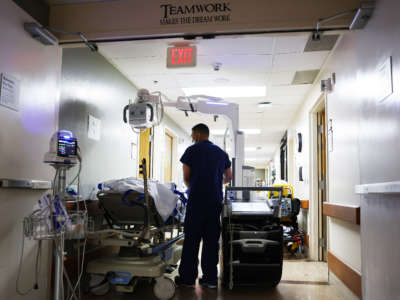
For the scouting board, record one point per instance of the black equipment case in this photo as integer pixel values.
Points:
(252, 241)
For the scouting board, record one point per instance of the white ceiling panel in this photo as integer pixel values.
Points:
(291, 44)
(237, 63)
(222, 78)
(280, 78)
(299, 61)
(155, 81)
(269, 61)
(238, 45)
(134, 49)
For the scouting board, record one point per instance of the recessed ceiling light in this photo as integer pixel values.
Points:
(251, 131)
(228, 91)
(264, 104)
(248, 159)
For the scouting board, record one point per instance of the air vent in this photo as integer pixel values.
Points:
(305, 77)
(325, 43)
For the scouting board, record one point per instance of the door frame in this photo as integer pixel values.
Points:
(168, 134)
(320, 104)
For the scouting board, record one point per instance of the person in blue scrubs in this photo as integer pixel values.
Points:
(205, 168)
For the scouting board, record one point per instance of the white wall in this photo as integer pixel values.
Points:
(24, 138)
(343, 161)
(182, 140)
(92, 86)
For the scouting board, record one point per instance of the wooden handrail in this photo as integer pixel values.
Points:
(304, 204)
(342, 212)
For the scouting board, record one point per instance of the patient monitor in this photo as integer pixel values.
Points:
(63, 148)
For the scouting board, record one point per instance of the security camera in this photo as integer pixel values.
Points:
(217, 66)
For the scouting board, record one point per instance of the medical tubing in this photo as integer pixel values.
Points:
(69, 284)
(79, 171)
(81, 273)
(37, 268)
(181, 195)
(114, 231)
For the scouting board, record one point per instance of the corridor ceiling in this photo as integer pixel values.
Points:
(270, 61)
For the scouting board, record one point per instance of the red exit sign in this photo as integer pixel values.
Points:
(179, 57)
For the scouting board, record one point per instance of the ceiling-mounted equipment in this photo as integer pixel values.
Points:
(363, 15)
(40, 34)
(44, 35)
(145, 112)
(360, 19)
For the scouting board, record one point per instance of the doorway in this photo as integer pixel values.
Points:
(319, 182)
(168, 156)
(322, 220)
(145, 151)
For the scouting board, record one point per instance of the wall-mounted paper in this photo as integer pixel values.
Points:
(9, 91)
(94, 128)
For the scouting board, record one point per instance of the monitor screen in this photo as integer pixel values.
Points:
(66, 147)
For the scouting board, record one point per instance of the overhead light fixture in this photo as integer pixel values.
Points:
(218, 132)
(259, 159)
(251, 131)
(228, 91)
(264, 104)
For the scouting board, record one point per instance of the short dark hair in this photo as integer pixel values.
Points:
(202, 129)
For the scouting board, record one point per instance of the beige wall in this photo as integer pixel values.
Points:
(24, 138)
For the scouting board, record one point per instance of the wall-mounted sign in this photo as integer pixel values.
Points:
(384, 80)
(94, 128)
(9, 92)
(178, 57)
(198, 13)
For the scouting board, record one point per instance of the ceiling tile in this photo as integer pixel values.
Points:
(237, 63)
(280, 78)
(291, 44)
(237, 45)
(299, 61)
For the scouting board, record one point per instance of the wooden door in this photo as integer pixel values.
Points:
(322, 187)
(169, 141)
(145, 150)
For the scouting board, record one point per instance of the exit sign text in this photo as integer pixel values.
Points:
(180, 57)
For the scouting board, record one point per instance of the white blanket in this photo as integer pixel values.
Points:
(163, 194)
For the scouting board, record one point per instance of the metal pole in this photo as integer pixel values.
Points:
(57, 272)
(58, 249)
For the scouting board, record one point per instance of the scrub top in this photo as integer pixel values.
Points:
(207, 162)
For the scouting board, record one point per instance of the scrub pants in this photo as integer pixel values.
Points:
(201, 224)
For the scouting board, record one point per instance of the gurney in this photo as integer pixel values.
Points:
(147, 241)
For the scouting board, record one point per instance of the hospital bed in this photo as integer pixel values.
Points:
(147, 243)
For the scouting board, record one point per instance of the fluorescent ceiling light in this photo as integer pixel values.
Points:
(255, 159)
(245, 131)
(253, 148)
(228, 91)
(251, 131)
(218, 132)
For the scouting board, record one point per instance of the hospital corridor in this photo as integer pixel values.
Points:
(199, 150)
